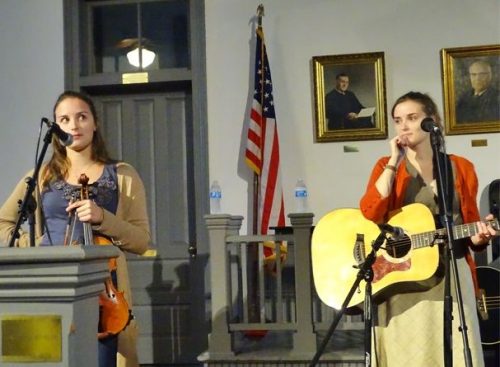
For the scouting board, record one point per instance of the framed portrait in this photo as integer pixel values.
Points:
(349, 97)
(471, 76)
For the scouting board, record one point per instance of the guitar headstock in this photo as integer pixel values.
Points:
(496, 226)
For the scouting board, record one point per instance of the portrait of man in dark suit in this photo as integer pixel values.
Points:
(480, 102)
(349, 97)
(342, 107)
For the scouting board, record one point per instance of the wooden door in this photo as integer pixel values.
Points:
(154, 133)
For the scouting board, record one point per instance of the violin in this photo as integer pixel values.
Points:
(114, 311)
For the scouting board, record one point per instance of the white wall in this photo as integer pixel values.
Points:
(31, 78)
(411, 33)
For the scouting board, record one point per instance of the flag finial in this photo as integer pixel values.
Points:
(260, 13)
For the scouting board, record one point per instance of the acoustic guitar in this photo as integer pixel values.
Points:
(488, 304)
(343, 238)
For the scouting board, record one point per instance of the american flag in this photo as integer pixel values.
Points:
(262, 153)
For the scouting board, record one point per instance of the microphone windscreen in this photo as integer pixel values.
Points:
(429, 125)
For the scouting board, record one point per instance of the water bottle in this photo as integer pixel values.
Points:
(300, 197)
(215, 197)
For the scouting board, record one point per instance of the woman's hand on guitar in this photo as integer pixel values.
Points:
(485, 231)
(87, 211)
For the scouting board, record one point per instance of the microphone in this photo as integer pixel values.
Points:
(429, 125)
(65, 138)
(397, 233)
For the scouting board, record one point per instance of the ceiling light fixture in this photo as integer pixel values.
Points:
(147, 57)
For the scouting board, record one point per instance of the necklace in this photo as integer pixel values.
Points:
(84, 169)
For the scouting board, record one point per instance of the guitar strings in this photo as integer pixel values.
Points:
(492, 301)
(468, 228)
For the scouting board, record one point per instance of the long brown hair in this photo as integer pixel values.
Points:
(58, 165)
(428, 105)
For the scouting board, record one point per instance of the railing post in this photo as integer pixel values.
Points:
(219, 227)
(304, 340)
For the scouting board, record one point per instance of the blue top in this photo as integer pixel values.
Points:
(56, 198)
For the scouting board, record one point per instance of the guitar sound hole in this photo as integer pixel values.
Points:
(398, 248)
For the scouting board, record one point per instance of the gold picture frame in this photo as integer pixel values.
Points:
(466, 70)
(365, 73)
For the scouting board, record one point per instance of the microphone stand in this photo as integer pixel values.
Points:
(27, 206)
(449, 259)
(365, 272)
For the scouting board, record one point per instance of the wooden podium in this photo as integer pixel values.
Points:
(49, 304)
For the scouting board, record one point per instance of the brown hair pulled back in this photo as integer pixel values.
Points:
(428, 105)
(58, 165)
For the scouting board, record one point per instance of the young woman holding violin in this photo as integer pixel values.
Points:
(115, 209)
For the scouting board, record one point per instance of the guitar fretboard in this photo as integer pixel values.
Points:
(459, 231)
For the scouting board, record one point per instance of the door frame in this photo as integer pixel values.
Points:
(196, 76)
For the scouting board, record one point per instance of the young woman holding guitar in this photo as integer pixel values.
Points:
(409, 326)
(115, 209)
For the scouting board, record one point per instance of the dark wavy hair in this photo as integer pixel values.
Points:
(428, 105)
(58, 165)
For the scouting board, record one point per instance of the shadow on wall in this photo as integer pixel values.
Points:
(178, 316)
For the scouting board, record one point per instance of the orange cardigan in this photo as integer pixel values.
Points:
(376, 208)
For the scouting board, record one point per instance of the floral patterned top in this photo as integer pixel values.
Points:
(57, 196)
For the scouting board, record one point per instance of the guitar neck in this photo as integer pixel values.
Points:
(459, 231)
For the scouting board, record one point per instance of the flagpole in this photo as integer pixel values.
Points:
(253, 248)
(262, 156)
(256, 185)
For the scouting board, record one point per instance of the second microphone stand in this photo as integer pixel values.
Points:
(444, 175)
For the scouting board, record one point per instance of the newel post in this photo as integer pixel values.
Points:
(304, 340)
(219, 227)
